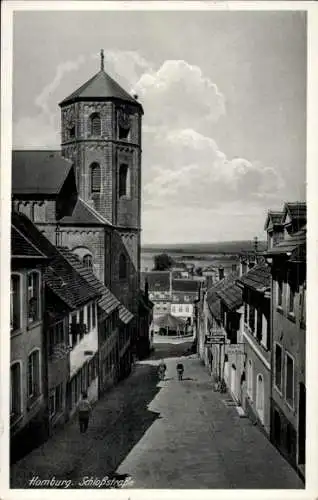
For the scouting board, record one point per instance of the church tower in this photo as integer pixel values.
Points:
(101, 134)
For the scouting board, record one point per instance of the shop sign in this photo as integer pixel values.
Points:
(235, 349)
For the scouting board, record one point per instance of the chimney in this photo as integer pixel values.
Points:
(221, 273)
(58, 239)
(255, 244)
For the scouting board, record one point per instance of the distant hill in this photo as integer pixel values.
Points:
(224, 247)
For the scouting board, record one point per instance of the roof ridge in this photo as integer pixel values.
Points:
(28, 240)
(95, 212)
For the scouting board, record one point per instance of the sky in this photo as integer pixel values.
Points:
(224, 97)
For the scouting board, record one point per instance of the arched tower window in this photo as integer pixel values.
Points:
(122, 266)
(95, 173)
(124, 180)
(88, 261)
(96, 128)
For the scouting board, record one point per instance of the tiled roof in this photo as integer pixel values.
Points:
(296, 210)
(158, 281)
(259, 277)
(60, 276)
(84, 214)
(38, 172)
(212, 295)
(21, 246)
(108, 302)
(215, 309)
(290, 244)
(124, 315)
(275, 218)
(185, 285)
(232, 296)
(169, 321)
(100, 87)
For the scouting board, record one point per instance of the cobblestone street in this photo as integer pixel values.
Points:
(162, 435)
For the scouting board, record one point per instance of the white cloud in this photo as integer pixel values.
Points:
(179, 95)
(182, 163)
(191, 170)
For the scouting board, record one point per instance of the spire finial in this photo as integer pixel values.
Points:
(102, 59)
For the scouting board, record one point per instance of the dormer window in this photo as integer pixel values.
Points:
(96, 128)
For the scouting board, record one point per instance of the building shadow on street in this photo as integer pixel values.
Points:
(111, 443)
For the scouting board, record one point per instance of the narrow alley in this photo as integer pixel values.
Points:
(167, 434)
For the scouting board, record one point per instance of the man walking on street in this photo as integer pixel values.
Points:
(84, 410)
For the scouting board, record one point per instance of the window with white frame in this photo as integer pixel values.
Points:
(34, 374)
(180, 308)
(33, 296)
(56, 400)
(250, 379)
(260, 397)
(56, 336)
(291, 299)
(89, 324)
(278, 367)
(15, 390)
(258, 324)
(187, 309)
(15, 302)
(303, 306)
(280, 293)
(264, 330)
(93, 314)
(289, 380)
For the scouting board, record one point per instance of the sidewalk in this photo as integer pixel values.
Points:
(65, 454)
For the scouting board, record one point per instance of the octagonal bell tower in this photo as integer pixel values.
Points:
(101, 133)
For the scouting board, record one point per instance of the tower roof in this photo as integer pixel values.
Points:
(99, 88)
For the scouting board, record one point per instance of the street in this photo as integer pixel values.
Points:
(167, 434)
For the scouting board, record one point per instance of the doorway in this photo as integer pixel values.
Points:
(302, 424)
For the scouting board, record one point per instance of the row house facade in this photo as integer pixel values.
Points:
(260, 336)
(28, 386)
(255, 335)
(87, 197)
(287, 260)
(172, 296)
